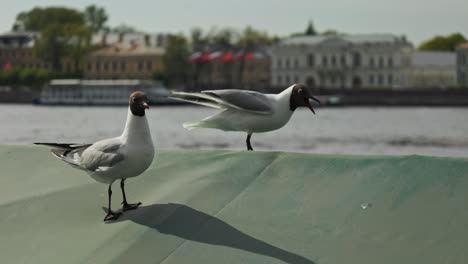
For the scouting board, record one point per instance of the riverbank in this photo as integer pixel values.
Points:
(238, 207)
(330, 97)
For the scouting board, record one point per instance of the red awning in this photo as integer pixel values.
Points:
(7, 66)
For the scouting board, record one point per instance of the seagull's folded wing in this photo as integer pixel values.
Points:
(249, 101)
(102, 155)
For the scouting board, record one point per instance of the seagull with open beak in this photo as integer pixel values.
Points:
(248, 111)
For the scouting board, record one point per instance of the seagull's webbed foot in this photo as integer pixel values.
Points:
(127, 206)
(112, 216)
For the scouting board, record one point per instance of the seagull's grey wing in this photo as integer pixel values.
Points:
(238, 99)
(196, 98)
(243, 100)
(102, 155)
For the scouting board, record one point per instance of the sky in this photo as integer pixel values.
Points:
(419, 20)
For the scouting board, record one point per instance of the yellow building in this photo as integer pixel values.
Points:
(133, 56)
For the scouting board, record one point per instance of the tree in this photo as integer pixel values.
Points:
(60, 41)
(197, 41)
(38, 19)
(64, 33)
(124, 28)
(329, 32)
(175, 60)
(310, 30)
(251, 40)
(95, 18)
(443, 43)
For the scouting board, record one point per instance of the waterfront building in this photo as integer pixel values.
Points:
(341, 61)
(230, 70)
(430, 69)
(462, 64)
(125, 56)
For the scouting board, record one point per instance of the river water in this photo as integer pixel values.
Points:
(346, 130)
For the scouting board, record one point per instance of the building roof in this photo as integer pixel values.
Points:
(352, 38)
(463, 46)
(126, 49)
(20, 39)
(434, 58)
(151, 40)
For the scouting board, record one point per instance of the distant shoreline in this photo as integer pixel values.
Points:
(328, 97)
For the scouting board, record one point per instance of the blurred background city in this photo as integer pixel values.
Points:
(392, 76)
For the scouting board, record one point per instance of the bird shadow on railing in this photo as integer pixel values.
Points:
(187, 223)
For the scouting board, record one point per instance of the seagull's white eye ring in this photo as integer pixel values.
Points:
(299, 91)
(133, 99)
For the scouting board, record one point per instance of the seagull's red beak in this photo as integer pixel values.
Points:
(145, 105)
(306, 101)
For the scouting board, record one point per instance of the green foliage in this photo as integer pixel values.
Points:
(329, 32)
(197, 40)
(38, 19)
(95, 18)
(310, 30)
(160, 76)
(29, 77)
(251, 39)
(443, 43)
(227, 39)
(60, 41)
(64, 33)
(124, 28)
(175, 59)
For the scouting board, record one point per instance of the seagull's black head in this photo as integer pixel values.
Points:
(300, 97)
(138, 103)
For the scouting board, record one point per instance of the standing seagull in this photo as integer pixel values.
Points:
(248, 111)
(121, 157)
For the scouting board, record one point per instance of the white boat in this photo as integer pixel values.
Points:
(101, 92)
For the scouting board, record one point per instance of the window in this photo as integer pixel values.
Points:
(380, 79)
(106, 66)
(98, 66)
(390, 62)
(371, 62)
(371, 79)
(149, 65)
(356, 59)
(390, 79)
(287, 79)
(324, 60)
(311, 60)
(279, 79)
(287, 63)
(381, 62)
(140, 65)
(279, 63)
(343, 60)
(296, 63)
(89, 66)
(123, 65)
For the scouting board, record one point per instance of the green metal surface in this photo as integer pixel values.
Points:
(238, 207)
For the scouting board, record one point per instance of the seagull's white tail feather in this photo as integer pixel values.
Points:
(192, 125)
(198, 124)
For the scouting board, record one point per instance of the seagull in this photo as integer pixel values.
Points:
(248, 111)
(111, 159)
